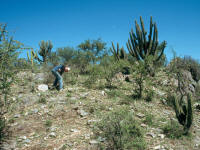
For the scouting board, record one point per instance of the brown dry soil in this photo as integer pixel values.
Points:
(55, 120)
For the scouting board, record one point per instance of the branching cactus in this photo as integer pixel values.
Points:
(183, 112)
(44, 52)
(118, 53)
(139, 46)
(31, 57)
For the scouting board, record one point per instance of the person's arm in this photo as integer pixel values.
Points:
(57, 68)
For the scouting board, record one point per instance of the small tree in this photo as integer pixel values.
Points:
(140, 77)
(94, 49)
(66, 54)
(8, 55)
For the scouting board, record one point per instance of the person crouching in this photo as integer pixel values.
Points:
(57, 72)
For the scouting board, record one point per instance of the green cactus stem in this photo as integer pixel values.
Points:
(118, 53)
(140, 47)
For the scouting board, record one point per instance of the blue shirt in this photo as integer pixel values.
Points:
(61, 67)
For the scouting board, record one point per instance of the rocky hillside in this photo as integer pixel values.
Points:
(44, 119)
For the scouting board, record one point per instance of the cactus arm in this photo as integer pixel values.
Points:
(132, 51)
(134, 44)
(156, 43)
(154, 40)
(144, 35)
(28, 56)
(162, 50)
(117, 49)
(149, 36)
(130, 48)
(189, 112)
(114, 51)
(119, 53)
(122, 53)
(139, 38)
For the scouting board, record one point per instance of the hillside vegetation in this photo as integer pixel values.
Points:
(112, 99)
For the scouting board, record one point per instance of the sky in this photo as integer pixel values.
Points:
(70, 22)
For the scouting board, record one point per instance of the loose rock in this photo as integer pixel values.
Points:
(52, 134)
(43, 87)
(82, 113)
(92, 142)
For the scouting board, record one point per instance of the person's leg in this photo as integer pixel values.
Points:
(60, 80)
(55, 82)
(56, 78)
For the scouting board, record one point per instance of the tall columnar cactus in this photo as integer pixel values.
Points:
(118, 53)
(183, 112)
(33, 56)
(139, 46)
(30, 58)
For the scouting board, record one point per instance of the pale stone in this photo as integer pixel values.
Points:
(52, 134)
(161, 136)
(92, 142)
(82, 113)
(140, 115)
(74, 130)
(43, 87)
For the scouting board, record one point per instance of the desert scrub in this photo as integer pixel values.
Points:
(8, 57)
(71, 77)
(111, 70)
(149, 119)
(94, 73)
(42, 100)
(48, 123)
(120, 130)
(186, 63)
(140, 77)
(149, 96)
(173, 130)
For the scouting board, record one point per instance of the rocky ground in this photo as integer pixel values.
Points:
(52, 120)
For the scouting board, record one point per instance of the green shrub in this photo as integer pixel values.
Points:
(22, 63)
(48, 123)
(149, 119)
(186, 63)
(170, 100)
(173, 130)
(141, 74)
(42, 100)
(2, 128)
(112, 69)
(149, 96)
(94, 74)
(197, 92)
(71, 77)
(8, 57)
(193, 66)
(121, 131)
